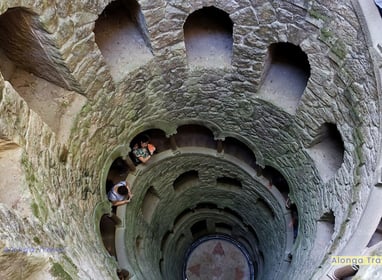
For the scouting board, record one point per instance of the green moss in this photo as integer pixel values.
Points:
(37, 240)
(43, 211)
(29, 172)
(35, 210)
(58, 272)
(317, 15)
(64, 269)
(86, 109)
(38, 206)
(339, 49)
(326, 34)
(69, 261)
(39, 209)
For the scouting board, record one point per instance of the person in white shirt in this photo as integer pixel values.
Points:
(120, 194)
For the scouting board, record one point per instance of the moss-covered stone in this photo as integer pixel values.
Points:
(59, 273)
(317, 15)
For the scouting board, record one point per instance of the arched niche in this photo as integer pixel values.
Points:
(118, 172)
(276, 179)
(199, 229)
(122, 37)
(208, 38)
(25, 63)
(228, 182)
(164, 242)
(285, 76)
(265, 208)
(223, 228)
(238, 149)
(294, 219)
(157, 137)
(14, 192)
(194, 135)
(107, 229)
(186, 180)
(149, 204)
(115, 169)
(327, 151)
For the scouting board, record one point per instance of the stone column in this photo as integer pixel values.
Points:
(173, 142)
(220, 145)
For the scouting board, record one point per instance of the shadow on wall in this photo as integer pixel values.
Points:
(327, 151)
(285, 76)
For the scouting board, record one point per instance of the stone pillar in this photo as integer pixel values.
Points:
(259, 170)
(220, 146)
(172, 142)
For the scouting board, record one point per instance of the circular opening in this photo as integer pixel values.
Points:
(217, 257)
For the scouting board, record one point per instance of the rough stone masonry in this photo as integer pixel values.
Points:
(64, 119)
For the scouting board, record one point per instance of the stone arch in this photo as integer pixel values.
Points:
(105, 224)
(118, 171)
(122, 37)
(119, 152)
(156, 137)
(169, 128)
(240, 150)
(185, 180)
(265, 207)
(277, 179)
(285, 76)
(215, 129)
(208, 38)
(249, 144)
(229, 182)
(194, 135)
(107, 230)
(149, 204)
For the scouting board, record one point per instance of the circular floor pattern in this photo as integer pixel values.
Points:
(217, 258)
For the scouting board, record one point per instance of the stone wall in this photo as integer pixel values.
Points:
(64, 179)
